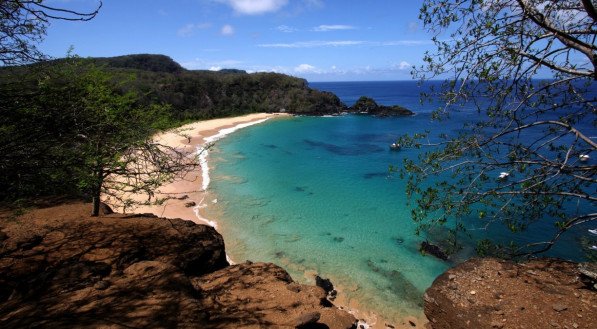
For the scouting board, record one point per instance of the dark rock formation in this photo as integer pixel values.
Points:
(104, 209)
(429, 248)
(588, 274)
(61, 268)
(491, 293)
(263, 294)
(325, 284)
(368, 105)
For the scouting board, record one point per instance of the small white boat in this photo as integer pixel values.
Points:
(503, 176)
(593, 231)
(395, 147)
(593, 248)
(584, 157)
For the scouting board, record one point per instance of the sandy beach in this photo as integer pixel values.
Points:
(189, 195)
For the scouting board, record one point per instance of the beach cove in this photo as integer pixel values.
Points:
(304, 194)
(314, 195)
(187, 197)
(194, 198)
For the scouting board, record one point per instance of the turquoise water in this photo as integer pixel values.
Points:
(315, 195)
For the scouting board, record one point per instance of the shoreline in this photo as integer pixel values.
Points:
(190, 197)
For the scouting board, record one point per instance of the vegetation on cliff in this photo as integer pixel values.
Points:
(66, 125)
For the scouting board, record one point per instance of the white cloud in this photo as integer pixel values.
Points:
(345, 43)
(229, 62)
(186, 30)
(286, 29)
(313, 3)
(406, 43)
(404, 65)
(190, 29)
(205, 64)
(227, 30)
(306, 68)
(312, 44)
(327, 28)
(255, 7)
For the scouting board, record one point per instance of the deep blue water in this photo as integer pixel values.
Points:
(314, 194)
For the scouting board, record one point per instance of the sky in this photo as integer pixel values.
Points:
(319, 40)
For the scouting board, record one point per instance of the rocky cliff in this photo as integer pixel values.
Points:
(61, 268)
(491, 293)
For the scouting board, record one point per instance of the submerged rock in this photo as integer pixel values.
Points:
(433, 250)
(398, 284)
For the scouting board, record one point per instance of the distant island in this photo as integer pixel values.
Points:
(367, 105)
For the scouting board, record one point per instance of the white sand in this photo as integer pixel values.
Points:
(192, 138)
(194, 187)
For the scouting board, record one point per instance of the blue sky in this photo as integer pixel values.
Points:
(319, 40)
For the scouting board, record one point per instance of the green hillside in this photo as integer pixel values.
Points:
(65, 123)
(202, 94)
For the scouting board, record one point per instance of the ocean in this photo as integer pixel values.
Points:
(314, 195)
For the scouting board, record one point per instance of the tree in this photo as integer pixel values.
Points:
(528, 156)
(115, 153)
(69, 128)
(23, 24)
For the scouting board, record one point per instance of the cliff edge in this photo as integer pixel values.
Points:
(60, 268)
(492, 293)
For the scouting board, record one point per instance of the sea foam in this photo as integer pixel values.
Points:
(203, 152)
(203, 149)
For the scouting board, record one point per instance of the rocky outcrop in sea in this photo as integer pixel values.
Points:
(367, 105)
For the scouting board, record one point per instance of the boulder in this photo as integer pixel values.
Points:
(325, 284)
(251, 295)
(60, 264)
(542, 293)
(61, 268)
(104, 209)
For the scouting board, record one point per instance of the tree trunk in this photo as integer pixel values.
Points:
(97, 191)
(96, 203)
